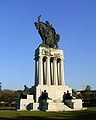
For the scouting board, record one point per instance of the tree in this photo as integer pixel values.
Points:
(88, 88)
(8, 97)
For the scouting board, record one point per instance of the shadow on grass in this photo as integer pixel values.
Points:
(77, 115)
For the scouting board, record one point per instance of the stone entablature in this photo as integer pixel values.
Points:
(48, 52)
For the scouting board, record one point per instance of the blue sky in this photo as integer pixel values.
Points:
(74, 20)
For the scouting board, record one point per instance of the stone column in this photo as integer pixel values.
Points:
(51, 69)
(44, 71)
(36, 72)
(40, 74)
(48, 72)
(62, 72)
(55, 71)
(58, 71)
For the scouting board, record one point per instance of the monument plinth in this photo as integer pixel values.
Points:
(49, 92)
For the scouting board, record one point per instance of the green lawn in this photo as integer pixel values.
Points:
(89, 114)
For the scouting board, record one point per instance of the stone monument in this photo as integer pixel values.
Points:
(49, 89)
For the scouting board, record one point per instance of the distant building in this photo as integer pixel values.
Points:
(83, 88)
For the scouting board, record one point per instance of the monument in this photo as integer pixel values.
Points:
(49, 90)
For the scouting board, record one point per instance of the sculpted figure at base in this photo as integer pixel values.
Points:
(47, 33)
(44, 96)
(26, 90)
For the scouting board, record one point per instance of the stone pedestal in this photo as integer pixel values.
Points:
(74, 103)
(25, 104)
(55, 92)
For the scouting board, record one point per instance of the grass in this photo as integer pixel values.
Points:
(89, 114)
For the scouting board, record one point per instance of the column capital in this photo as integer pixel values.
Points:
(47, 57)
(55, 58)
(61, 58)
(41, 56)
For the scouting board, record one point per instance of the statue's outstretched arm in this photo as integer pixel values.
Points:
(39, 18)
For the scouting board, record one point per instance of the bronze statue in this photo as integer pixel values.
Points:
(47, 33)
(26, 90)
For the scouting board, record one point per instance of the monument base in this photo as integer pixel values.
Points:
(55, 101)
(50, 105)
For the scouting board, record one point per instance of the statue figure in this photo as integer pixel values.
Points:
(26, 90)
(44, 96)
(47, 33)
